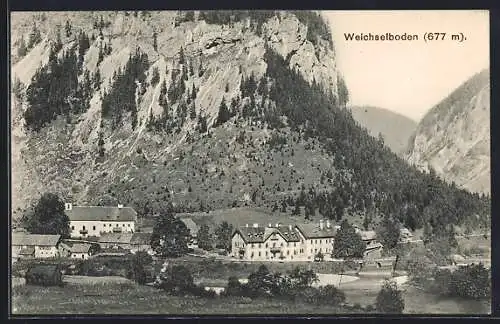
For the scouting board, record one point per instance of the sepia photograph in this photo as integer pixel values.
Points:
(250, 162)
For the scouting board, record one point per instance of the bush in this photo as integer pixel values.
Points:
(472, 281)
(331, 295)
(177, 279)
(389, 299)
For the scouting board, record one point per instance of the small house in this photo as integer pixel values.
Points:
(25, 245)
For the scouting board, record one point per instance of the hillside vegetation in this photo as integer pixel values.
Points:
(216, 112)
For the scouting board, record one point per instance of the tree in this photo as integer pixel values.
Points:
(177, 279)
(204, 238)
(390, 299)
(67, 28)
(35, 37)
(348, 243)
(155, 41)
(48, 217)
(137, 267)
(223, 234)
(22, 50)
(170, 235)
(182, 59)
(155, 78)
(233, 287)
(303, 278)
(388, 233)
(471, 281)
(223, 115)
(100, 145)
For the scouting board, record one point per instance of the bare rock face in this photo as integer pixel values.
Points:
(454, 137)
(67, 163)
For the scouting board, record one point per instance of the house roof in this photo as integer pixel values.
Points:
(120, 238)
(314, 231)
(261, 234)
(126, 238)
(141, 238)
(80, 248)
(30, 250)
(191, 225)
(35, 239)
(101, 213)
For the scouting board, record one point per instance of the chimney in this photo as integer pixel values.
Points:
(277, 225)
(270, 225)
(290, 227)
(68, 206)
(246, 225)
(328, 225)
(255, 225)
(120, 206)
(321, 224)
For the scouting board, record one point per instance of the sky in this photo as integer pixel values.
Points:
(408, 77)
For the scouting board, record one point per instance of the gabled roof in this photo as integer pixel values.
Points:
(126, 238)
(101, 213)
(141, 238)
(35, 239)
(30, 250)
(119, 238)
(191, 225)
(80, 248)
(261, 234)
(314, 231)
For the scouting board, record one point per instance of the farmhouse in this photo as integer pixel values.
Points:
(293, 242)
(34, 245)
(299, 242)
(88, 221)
(266, 243)
(317, 238)
(78, 250)
(129, 241)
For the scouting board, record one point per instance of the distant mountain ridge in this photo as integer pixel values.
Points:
(395, 128)
(454, 136)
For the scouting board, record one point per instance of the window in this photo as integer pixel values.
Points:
(123, 225)
(83, 227)
(251, 255)
(281, 244)
(266, 253)
(294, 244)
(93, 228)
(288, 252)
(266, 245)
(259, 248)
(259, 253)
(73, 227)
(104, 225)
(128, 225)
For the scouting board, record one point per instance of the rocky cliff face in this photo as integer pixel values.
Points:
(454, 137)
(62, 156)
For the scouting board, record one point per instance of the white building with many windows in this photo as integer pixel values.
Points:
(92, 221)
(282, 242)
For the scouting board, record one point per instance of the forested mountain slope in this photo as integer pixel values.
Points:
(208, 110)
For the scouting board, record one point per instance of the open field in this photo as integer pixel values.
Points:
(130, 298)
(107, 296)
